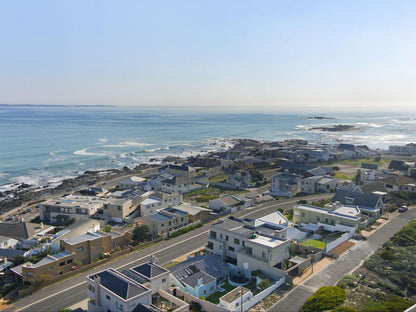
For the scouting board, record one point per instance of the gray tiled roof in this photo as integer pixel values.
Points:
(213, 265)
(360, 199)
(192, 280)
(159, 217)
(149, 270)
(120, 285)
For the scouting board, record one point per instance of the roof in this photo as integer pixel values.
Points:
(11, 253)
(267, 241)
(180, 167)
(84, 237)
(319, 171)
(398, 180)
(159, 217)
(191, 209)
(4, 239)
(360, 199)
(398, 165)
(372, 187)
(300, 167)
(229, 200)
(149, 270)
(212, 264)
(119, 284)
(192, 280)
(80, 226)
(133, 180)
(149, 201)
(177, 181)
(235, 294)
(175, 211)
(20, 230)
(18, 269)
(274, 218)
(344, 213)
(50, 258)
(348, 147)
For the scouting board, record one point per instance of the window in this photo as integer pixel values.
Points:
(80, 249)
(119, 208)
(163, 280)
(303, 215)
(226, 238)
(231, 248)
(107, 297)
(92, 300)
(210, 245)
(62, 263)
(236, 241)
(213, 234)
(318, 219)
(263, 254)
(91, 288)
(69, 261)
(249, 251)
(220, 247)
(29, 274)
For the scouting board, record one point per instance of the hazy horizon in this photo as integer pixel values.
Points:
(289, 56)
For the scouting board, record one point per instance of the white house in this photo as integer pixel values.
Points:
(225, 202)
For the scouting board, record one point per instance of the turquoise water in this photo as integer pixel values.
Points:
(44, 144)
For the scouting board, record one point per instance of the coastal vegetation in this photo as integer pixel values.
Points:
(326, 298)
(210, 192)
(386, 282)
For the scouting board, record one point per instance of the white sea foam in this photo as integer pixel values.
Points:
(127, 144)
(103, 140)
(84, 152)
(370, 125)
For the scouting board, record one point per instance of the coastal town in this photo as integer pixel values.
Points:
(251, 225)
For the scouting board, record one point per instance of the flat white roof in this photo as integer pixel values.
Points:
(267, 241)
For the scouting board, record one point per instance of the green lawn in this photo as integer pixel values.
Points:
(340, 175)
(211, 191)
(368, 160)
(313, 243)
(218, 178)
(215, 297)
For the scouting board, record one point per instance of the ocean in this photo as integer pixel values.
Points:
(42, 145)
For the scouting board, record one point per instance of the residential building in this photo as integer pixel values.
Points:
(150, 275)
(408, 149)
(110, 290)
(165, 221)
(196, 213)
(68, 207)
(8, 242)
(199, 275)
(159, 200)
(399, 184)
(25, 230)
(181, 171)
(236, 298)
(238, 180)
(179, 185)
(226, 203)
(118, 208)
(132, 183)
(314, 184)
(88, 247)
(48, 268)
(248, 245)
(341, 215)
(285, 184)
(352, 195)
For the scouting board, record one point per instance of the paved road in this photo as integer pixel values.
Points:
(72, 290)
(348, 262)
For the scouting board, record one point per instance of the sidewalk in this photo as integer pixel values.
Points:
(308, 273)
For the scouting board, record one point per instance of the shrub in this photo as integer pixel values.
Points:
(326, 298)
(107, 228)
(264, 284)
(395, 304)
(344, 309)
(387, 254)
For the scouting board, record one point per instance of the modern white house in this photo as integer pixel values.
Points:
(132, 183)
(314, 184)
(179, 185)
(159, 200)
(68, 207)
(248, 245)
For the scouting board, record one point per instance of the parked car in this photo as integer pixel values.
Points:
(403, 209)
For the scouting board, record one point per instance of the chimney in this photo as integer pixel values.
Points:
(41, 225)
(152, 259)
(199, 281)
(5, 260)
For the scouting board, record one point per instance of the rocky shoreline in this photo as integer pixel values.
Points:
(335, 128)
(26, 194)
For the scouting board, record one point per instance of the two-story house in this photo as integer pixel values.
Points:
(285, 184)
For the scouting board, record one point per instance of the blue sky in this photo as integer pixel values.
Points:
(280, 55)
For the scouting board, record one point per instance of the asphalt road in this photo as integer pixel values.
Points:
(347, 263)
(73, 290)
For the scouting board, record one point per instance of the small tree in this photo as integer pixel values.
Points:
(141, 233)
(107, 228)
(264, 284)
